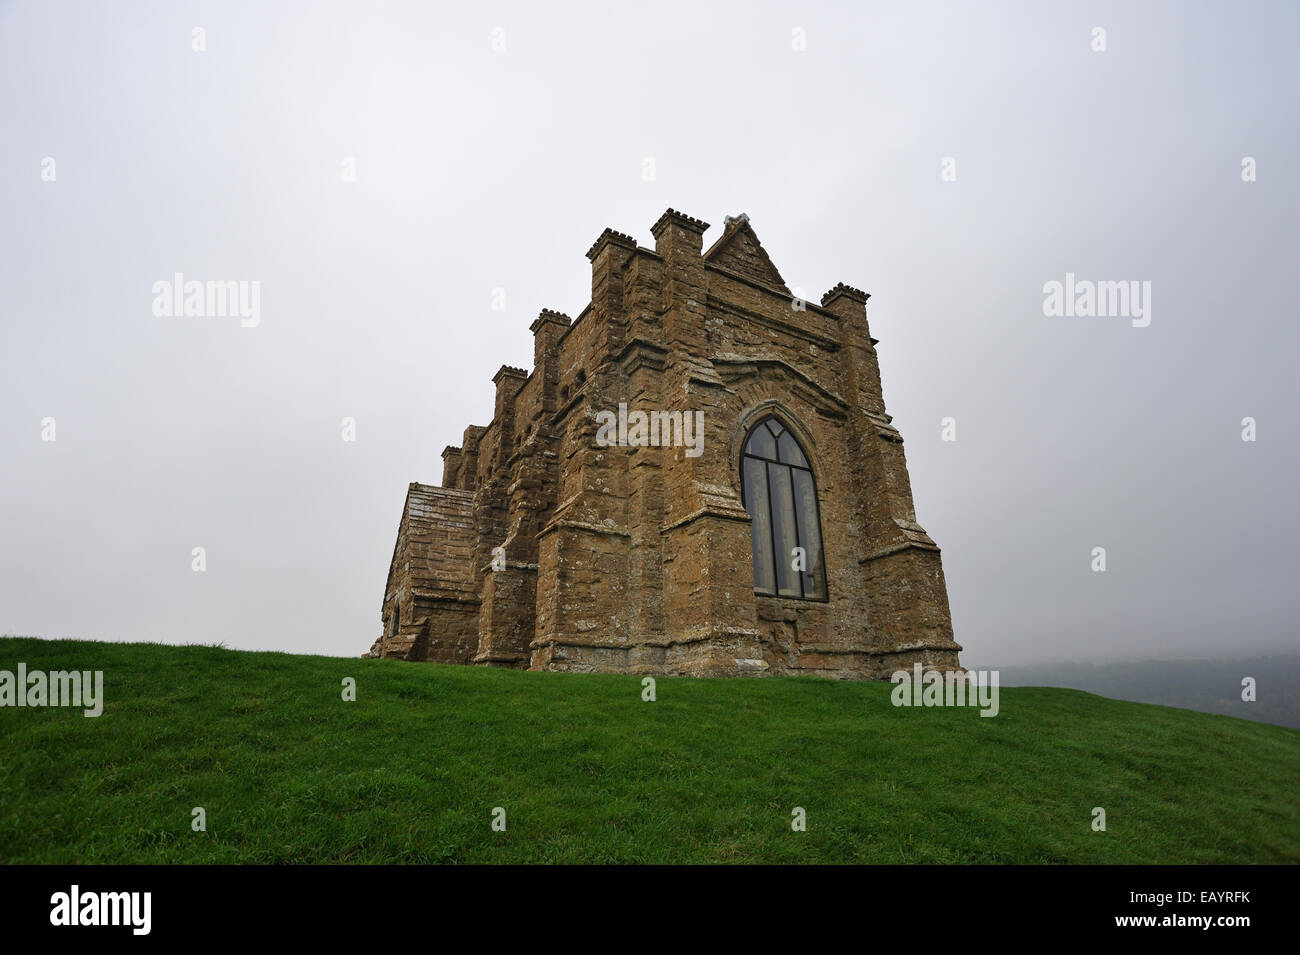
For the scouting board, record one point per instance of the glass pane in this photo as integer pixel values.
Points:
(783, 530)
(789, 450)
(761, 443)
(805, 498)
(776, 426)
(761, 529)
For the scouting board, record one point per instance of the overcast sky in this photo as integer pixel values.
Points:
(480, 168)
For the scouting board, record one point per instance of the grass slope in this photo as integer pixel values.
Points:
(587, 772)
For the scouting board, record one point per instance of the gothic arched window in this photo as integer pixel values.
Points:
(781, 497)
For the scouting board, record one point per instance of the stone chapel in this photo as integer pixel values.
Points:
(698, 477)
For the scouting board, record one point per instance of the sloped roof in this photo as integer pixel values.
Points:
(738, 250)
(437, 529)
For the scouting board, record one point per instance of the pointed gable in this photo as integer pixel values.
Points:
(738, 250)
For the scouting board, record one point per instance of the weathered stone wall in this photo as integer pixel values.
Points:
(431, 594)
(639, 558)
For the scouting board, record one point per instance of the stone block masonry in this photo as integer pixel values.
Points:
(776, 535)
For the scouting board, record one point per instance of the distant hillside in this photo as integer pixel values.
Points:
(1211, 686)
(585, 771)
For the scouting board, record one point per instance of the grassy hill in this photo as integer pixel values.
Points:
(587, 772)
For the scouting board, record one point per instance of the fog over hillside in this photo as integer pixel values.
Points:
(1212, 686)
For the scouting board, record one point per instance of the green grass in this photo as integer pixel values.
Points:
(587, 772)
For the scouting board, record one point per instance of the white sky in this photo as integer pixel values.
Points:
(482, 169)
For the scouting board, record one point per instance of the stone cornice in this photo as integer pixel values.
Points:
(709, 510)
(777, 324)
(555, 525)
(770, 290)
(898, 549)
(434, 596)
